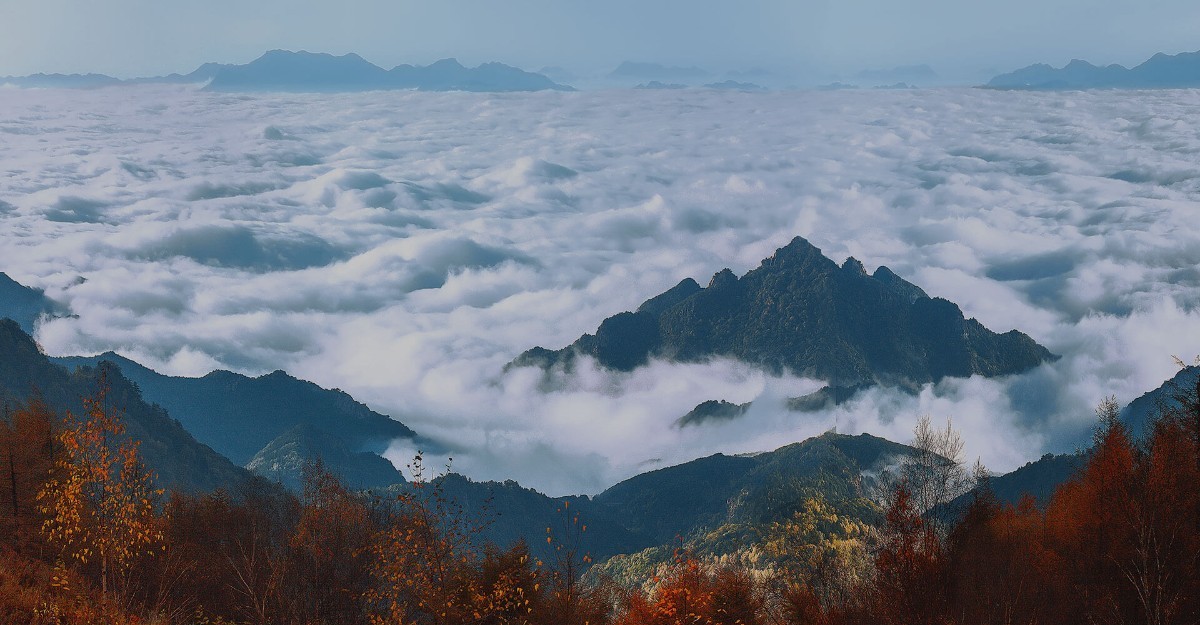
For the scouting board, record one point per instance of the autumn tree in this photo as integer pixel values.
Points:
(935, 474)
(822, 553)
(1088, 521)
(328, 565)
(27, 458)
(908, 581)
(425, 561)
(99, 506)
(1001, 570)
(691, 593)
(1183, 411)
(570, 601)
(227, 554)
(1163, 518)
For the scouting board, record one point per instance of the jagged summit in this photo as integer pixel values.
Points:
(801, 312)
(854, 265)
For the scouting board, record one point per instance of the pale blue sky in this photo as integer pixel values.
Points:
(141, 37)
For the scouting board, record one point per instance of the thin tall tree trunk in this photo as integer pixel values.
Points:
(12, 481)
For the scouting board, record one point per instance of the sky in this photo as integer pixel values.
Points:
(127, 38)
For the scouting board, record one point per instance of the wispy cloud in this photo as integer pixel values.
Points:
(405, 246)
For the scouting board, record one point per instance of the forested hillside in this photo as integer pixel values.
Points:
(88, 536)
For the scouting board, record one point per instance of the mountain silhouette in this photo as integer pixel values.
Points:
(25, 305)
(655, 71)
(282, 70)
(61, 81)
(1162, 71)
(733, 85)
(284, 460)
(800, 312)
(315, 72)
(178, 459)
(239, 415)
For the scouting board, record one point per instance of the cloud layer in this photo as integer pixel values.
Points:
(404, 246)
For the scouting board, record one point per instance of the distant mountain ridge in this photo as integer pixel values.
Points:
(799, 311)
(660, 507)
(285, 459)
(284, 70)
(61, 81)
(238, 415)
(905, 73)
(656, 71)
(1162, 71)
(178, 459)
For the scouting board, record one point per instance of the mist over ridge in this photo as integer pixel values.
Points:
(405, 246)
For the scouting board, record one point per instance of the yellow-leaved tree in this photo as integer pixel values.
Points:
(99, 504)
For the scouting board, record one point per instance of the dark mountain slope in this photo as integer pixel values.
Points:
(178, 459)
(1139, 415)
(239, 415)
(655, 508)
(515, 513)
(1042, 477)
(800, 312)
(753, 490)
(284, 459)
(1038, 479)
(24, 304)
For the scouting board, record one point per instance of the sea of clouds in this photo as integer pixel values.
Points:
(404, 246)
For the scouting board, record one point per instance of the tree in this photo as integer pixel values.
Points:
(27, 458)
(1000, 569)
(936, 474)
(328, 573)
(425, 559)
(232, 552)
(908, 566)
(1089, 521)
(571, 602)
(822, 553)
(691, 593)
(99, 506)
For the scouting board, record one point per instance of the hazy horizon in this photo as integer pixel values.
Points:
(132, 38)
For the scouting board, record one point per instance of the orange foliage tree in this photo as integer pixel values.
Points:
(692, 594)
(908, 567)
(27, 458)
(428, 568)
(327, 571)
(99, 506)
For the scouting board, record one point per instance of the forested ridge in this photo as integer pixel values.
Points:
(87, 537)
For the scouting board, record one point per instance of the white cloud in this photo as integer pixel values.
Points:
(405, 246)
